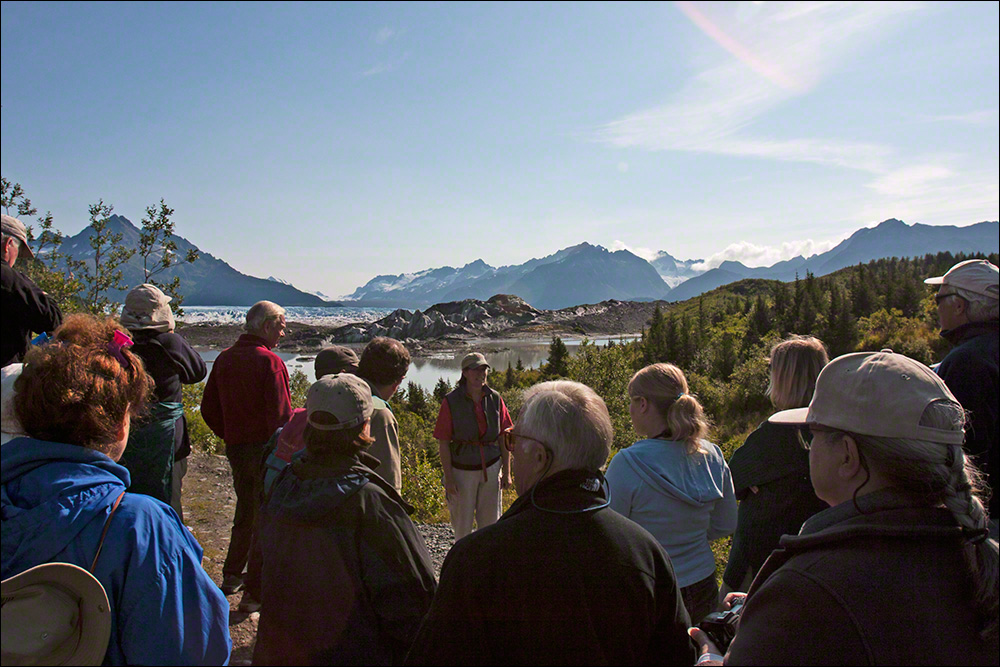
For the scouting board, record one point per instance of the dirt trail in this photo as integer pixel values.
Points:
(209, 504)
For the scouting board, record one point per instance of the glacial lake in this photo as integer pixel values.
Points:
(425, 371)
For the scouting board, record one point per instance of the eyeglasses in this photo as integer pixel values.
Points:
(938, 298)
(814, 429)
(513, 436)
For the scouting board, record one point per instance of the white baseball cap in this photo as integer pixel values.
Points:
(975, 275)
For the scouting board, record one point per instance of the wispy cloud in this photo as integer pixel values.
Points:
(980, 117)
(909, 180)
(386, 66)
(386, 34)
(752, 254)
(778, 51)
(377, 69)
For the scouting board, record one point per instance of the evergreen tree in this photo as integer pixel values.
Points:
(759, 322)
(670, 342)
(864, 300)
(519, 366)
(841, 334)
(441, 389)
(558, 358)
(686, 344)
(654, 338)
(416, 400)
(510, 380)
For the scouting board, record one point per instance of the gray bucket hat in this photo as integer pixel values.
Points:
(147, 307)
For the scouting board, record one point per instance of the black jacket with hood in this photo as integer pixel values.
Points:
(347, 578)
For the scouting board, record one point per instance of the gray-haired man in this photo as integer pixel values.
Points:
(967, 300)
(561, 577)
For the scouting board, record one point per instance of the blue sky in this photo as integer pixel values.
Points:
(329, 143)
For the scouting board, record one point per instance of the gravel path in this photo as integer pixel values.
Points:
(439, 537)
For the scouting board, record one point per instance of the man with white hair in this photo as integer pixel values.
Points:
(26, 308)
(245, 401)
(967, 302)
(560, 578)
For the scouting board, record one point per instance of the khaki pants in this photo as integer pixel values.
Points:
(476, 499)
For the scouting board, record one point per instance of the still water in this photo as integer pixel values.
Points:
(425, 371)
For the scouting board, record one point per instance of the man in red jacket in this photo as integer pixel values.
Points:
(246, 399)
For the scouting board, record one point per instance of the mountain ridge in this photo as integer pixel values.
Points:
(209, 281)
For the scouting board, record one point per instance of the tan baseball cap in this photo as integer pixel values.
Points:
(474, 360)
(345, 396)
(55, 614)
(975, 275)
(882, 394)
(13, 227)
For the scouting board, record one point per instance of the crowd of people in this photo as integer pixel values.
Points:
(861, 511)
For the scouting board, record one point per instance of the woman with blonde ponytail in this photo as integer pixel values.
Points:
(899, 569)
(674, 483)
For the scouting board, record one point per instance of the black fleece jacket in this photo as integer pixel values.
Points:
(26, 310)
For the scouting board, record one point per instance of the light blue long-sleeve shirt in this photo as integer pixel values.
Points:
(684, 500)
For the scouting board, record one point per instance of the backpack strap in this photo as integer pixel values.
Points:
(107, 524)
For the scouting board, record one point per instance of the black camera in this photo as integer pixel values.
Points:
(721, 626)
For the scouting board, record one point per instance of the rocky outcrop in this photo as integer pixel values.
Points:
(501, 316)
(455, 319)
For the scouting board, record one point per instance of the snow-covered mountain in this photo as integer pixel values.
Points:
(579, 274)
(675, 271)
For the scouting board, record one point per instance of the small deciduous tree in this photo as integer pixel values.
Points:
(158, 250)
(109, 256)
(62, 286)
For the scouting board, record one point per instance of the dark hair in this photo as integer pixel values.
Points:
(322, 444)
(384, 361)
(75, 391)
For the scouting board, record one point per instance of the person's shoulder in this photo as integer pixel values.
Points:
(173, 341)
(154, 526)
(12, 279)
(8, 276)
(713, 451)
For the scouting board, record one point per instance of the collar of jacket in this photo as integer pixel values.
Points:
(566, 490)
(884, 513)
(250, 340)
(362, 463)
(970, 330)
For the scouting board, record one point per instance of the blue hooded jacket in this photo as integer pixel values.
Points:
(54, 503)
(684, 500)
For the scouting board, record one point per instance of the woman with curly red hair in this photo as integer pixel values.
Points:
(76, 399)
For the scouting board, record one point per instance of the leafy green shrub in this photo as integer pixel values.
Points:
(200, 434)
(422, 486)
(298, 387)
